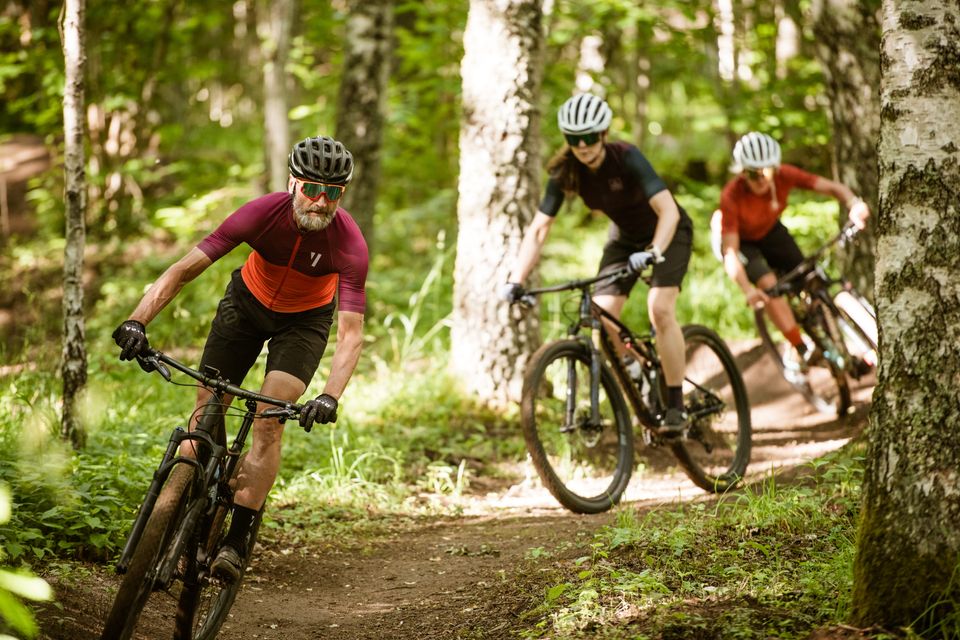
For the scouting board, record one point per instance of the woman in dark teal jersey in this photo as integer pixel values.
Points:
(647, 226)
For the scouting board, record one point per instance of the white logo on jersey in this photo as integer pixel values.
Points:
(314, 258)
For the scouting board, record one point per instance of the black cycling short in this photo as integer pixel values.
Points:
(295, 341)
(775, 251)
(668, 273)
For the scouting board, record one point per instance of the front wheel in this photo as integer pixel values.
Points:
(583, 458)
(824, 385)
(209, 602)
(140, 578)
(716, 451)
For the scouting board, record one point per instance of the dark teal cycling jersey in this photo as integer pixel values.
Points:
(621, 188)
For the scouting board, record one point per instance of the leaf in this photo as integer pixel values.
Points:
(25, 585)
(17, 615)
(556, 591)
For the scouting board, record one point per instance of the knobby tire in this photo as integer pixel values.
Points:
(722, 468)
(536, 389)
(138, 582)
(832, 396)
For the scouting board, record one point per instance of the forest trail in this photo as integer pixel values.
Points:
(445, 575)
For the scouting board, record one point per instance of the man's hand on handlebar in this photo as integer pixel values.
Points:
(322, 409)
(131, 337)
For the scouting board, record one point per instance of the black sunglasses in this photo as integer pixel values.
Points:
(574, 139)
(753, 174)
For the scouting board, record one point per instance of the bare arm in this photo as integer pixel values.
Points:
(168, 285)
(730, 250)
(858, 209)
(530, 247)
(349, 343)
(669, 217)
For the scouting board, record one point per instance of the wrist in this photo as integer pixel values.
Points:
(657, 254)
(853, 201)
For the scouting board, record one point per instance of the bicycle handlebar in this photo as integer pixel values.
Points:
(153, 360)
(530, 297)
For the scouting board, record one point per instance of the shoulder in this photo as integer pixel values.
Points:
(349, 234)
(795, 175)
(732, 192)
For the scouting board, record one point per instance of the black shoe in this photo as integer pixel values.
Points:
(228, 565)
(674, 423)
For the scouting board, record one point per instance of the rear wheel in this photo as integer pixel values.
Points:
(139, 581)
(716, 451)
(824, 384)
(585, 462)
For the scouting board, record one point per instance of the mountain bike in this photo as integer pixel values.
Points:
(185, 515)
(837, 323)
(578, 395)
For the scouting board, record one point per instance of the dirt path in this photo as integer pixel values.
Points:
(448, 576)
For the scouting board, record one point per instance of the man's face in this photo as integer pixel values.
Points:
(310, 214)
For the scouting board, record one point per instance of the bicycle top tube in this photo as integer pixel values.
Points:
(848, 231)
(157, 359)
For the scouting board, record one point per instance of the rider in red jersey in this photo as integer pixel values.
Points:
(308, 257)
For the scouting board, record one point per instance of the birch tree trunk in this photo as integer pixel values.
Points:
(909, 539)
(848, 46)
(361, 103)
(74, 366)
(498, 193)
(276, 27)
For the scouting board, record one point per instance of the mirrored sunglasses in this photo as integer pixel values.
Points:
(313, 190)
(574, 139)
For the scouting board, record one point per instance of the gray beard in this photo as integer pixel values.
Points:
(311, 222)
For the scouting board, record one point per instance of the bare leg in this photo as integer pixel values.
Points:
(259, 470)
(777, 308)
(614, 306)
(662, 307)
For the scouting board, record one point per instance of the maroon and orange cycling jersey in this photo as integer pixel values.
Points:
(752, 216)
(290, 271)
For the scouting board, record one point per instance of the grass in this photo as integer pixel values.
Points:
(772, 561)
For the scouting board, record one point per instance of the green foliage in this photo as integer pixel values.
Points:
(772, 561)
(15, 585)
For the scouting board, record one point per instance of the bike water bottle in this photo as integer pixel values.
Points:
(635, 370)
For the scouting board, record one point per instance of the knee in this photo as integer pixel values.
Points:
(662, 314)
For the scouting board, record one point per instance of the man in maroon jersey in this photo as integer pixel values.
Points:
(307, 251)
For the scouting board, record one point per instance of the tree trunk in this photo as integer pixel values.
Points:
(909, 541)
(848, 46)
(498, 193)
(276, 26)
(361, 103)
(74, 350)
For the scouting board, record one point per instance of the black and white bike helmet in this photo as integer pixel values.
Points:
(756, 150)
(584, 113)
(321, 159)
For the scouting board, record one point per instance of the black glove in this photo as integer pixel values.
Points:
(640, 260)
(322, 409)
(131, 337)
(512, 292)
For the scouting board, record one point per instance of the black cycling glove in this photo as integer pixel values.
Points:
(512, 292)
(131, 337)
(322, 409)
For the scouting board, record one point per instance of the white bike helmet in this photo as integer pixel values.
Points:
(585, 113)
(756, 151)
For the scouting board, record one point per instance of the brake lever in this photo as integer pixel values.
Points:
(152, 363)
(528, 300)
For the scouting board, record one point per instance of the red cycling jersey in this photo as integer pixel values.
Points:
(290, 271)
(752, 216)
